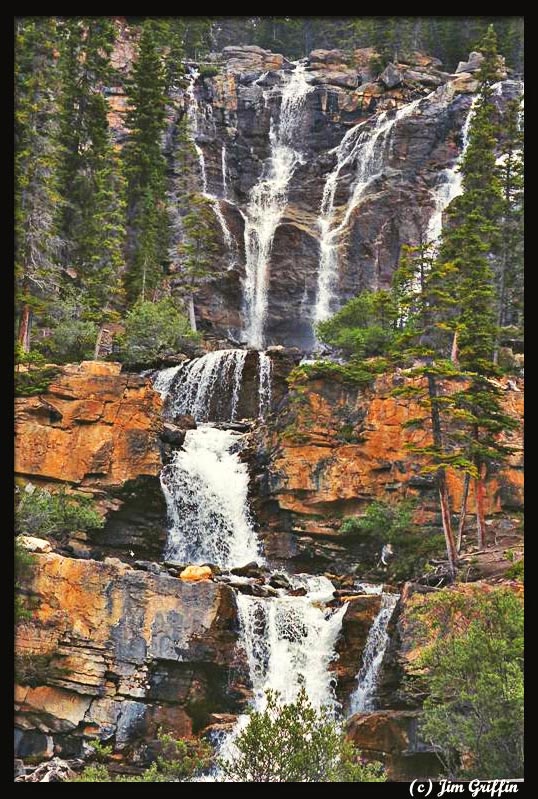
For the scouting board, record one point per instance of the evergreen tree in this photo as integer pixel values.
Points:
(468, 243)
(145, 168)
(37, 242)
(510, 270)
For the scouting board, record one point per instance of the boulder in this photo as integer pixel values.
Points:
(248, 570)
(173, 434)
(391, 76)
(33, 544)
(193, 574)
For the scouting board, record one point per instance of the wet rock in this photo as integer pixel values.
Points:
(280, 581)
(56, 770)
(251, 569)
(173, 434)
(186, 422)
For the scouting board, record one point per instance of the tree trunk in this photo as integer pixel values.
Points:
(98, 343)
(447, 524)
(463, 510)
(454, 353)
(479, 488)
(444, 499)
(25, 325)
(192, 315)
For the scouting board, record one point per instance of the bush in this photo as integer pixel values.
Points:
(153, 329)
(364, 327)
(24, 561)
(36, 377)
(179, 761)
(385, 523)
(474, 676)
(70, 340)
(41, 512)
(295, 743)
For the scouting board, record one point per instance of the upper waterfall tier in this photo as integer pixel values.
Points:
(317, 179)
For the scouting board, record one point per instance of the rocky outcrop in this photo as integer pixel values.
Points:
(94, 428)
(336, 448)
(128, 650)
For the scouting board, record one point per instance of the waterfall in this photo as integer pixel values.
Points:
(450, 184)
(224, 172)
(163, 380)
(268, 200)
(205, 487)
(289, 641)
(366, 147)
(264, 388)
(195, 390)
(363, 697)
(193, 114)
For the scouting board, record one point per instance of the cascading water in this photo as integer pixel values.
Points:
(268, 200)
(205, 487)
(289, 641)
(265, 366)
(195, 389)
(193, 115)
(365, 147)
(450, 184)
(363, 697)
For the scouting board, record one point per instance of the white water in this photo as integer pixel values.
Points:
(265, 366)
(268, 200)
(450, 185)
(205, 488)
(363, 697)
(193, 115)
(163, 380)
(210, 385)
(224, 171)
(367, 148)
(289, 641)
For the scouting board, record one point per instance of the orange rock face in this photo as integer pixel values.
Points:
(94, 427)
(324, 464)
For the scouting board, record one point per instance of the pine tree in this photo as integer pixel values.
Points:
(510, 269)
(37, 242)
(468, 244)
(145, 168)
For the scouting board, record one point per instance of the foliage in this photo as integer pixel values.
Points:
(178, 761)
(152, 329)
(40, 512)
(385, 523)
(295, 743)
(100, 752)
(364, 327)
(71, 340)
(145, 168)
(516, 570)
(351, 373)
(474, 676)
(33, 670)
(24, 561)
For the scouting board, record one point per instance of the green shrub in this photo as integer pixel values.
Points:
(353, 373)
(473, 670)
(36, 377)
(295, 743)
(179, 761)
(24, 561)
(44, 513)
(208, 71)
(101, 752)
(153, 329)
(364, 327)
(516, 570)
(71, 340)
(385, 523)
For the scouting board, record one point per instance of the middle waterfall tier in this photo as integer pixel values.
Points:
(221, 386)
(205, 487)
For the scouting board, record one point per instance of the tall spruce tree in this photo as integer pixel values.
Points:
(510, 261)
(37, 241)
(145, 168)
(469, 243)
